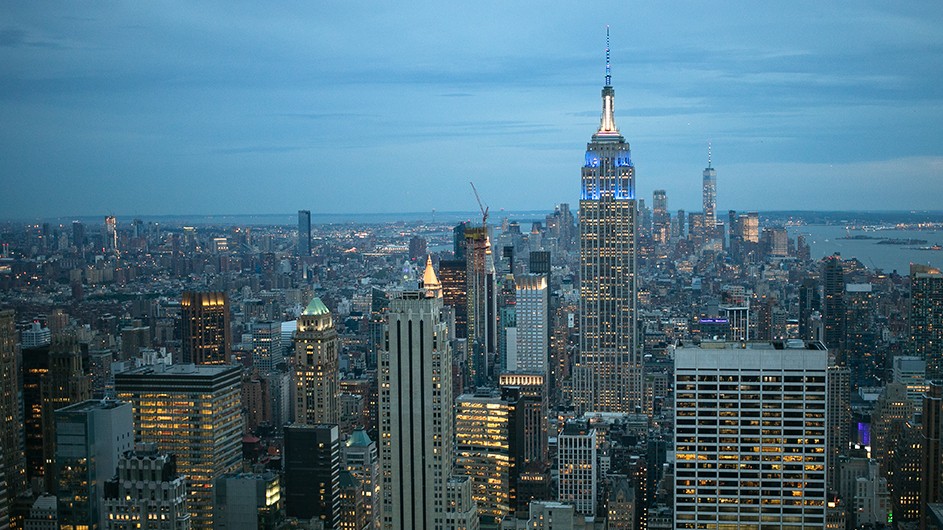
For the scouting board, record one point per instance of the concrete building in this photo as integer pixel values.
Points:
(248, 501)
(546, 515)
(147, 492)
(912, 372)
(610, 378)
(316, 366)
(44, 514)
(750, 435)
(578, 466)
(90, 438)
(461, 511)
(193, 412)
(532, 313)
(360, 458)
(266, 346)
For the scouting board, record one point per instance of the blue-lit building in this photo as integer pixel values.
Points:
(608, 378)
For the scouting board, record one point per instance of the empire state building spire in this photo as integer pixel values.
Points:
(607, 124)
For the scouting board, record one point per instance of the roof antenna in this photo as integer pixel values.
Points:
(608, 70)
(708, 154)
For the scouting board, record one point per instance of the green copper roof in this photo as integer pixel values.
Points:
(359, 438)
(316, 307)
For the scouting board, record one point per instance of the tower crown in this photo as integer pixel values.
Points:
(607, 123)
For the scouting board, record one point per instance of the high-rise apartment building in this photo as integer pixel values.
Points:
(205, 333)
(316, 366)
(416, 424)
(750, 435)
(146, 492)
(610, 374)
(304, 233)
(312, 473)
(90, 438)
(12, 458)
(194, 413)
(926, 317)
(532, 316)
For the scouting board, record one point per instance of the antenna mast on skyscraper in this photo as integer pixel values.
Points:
(608, 70)
(708, 154)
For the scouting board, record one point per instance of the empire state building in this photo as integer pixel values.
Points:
(608, 376)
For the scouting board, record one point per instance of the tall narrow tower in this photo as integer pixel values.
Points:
(710, 197)
(609, 375)
(316, 366)
(416, 421)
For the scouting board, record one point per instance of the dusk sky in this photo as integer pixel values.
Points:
(145, 108)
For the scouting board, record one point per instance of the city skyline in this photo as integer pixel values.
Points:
(109, 108)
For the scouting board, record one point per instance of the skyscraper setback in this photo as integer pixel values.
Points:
(609, 375)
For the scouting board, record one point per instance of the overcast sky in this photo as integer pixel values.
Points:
(230, 107)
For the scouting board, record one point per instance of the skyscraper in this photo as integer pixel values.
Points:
(610, 376)
(12, 459)
(316, 366)
(416, 443)
(532, 317)
(661, 219)
(90, 438)
(483, 429)
(834, 304)
(768, 403)
(304, 233)
(709, 193)
(578, 467)
(312, 473)
(481, 299)
(926, 317)
(63, 384)
(206, 337)
(193, 412)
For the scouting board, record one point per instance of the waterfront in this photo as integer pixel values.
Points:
(826, 240)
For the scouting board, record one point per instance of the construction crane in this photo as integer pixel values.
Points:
(483, 208)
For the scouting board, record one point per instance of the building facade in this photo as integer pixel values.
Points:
(416, 424)
(205, 332)
(90, 438)
(316, 366)
(192, 412)
(750, 435)
(312, 473)
(147, 493)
